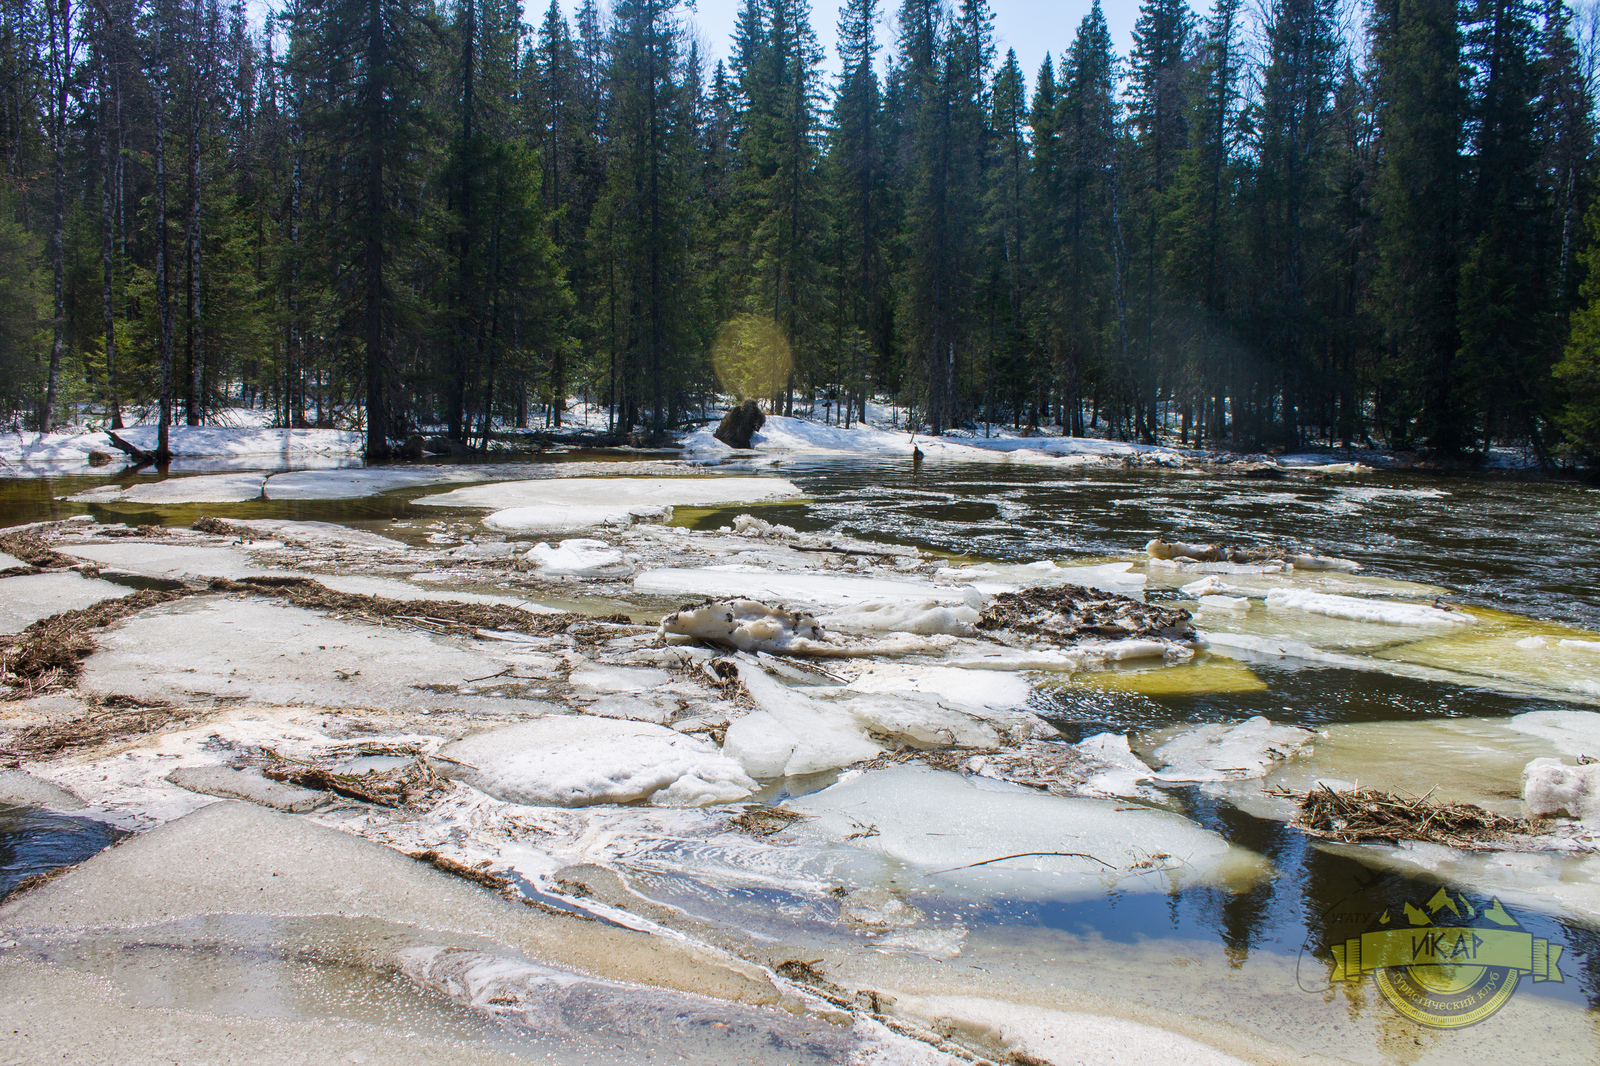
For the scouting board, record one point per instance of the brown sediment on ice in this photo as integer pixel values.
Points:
(115, 719)
(31, 549)
(413, 785)
(436, 615)
(1069, 614)
(763, 821)
(50, 652)
(1371, 816)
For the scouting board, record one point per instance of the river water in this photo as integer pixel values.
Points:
(1256, 959)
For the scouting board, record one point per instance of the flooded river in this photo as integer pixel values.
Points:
(1253, 958)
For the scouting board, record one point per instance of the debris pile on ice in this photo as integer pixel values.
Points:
(1223, 752)
(1071, 614)
(1356, 609)
(580, 557)
(576, 761)
(1551, 789)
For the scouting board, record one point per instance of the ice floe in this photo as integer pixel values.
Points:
(1228, 752)
(1387, 612)
(173, 561)
(576, 761)
(275, 654)
(579, 503)
(26, 598)
(202, 488)
(957, 835)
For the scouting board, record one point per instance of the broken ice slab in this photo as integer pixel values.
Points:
(271, 653)
(976, 838)
(203, 488)
(578, 761)
(580, 503)
(172, 562)
(26, 598)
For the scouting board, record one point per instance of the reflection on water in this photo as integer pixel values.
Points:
(35, 842)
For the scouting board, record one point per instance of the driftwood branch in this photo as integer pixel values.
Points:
(1024, 855)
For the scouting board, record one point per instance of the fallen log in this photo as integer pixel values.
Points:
(138, 455)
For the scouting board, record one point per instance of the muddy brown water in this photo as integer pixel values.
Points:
(1529, 547)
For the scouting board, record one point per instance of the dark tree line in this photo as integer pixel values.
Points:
(1304, 223)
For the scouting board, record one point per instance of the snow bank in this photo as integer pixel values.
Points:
(940, 823)
(1222, 752)
(283, 445)
(579, 503)
(1551, 788)
(26, 598)
(202, 488)
(799, 436)
(577, 761)
(1387, 612)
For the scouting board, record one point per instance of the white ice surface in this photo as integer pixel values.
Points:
(1058, 1036)
(938, 823)
(1572, 732)
(1225, 603)
(792, 733)
(599, 677)
(1552, 788)
(580, 557)
(1008, 577)
(1363, 610)
(1223, 752)
(577, 761)
(926, 618)
(202, 488)
(170, 561)
(284, 445)
(26, 598)
(797, 436)
(395, 589)
(825, 589)
(10, 562)
(968, 689)
(271, 653)
(320, 534)
(579, 503)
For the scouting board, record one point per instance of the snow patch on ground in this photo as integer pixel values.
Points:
(256, 442)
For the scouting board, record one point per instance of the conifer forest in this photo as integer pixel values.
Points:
(1280, 225)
